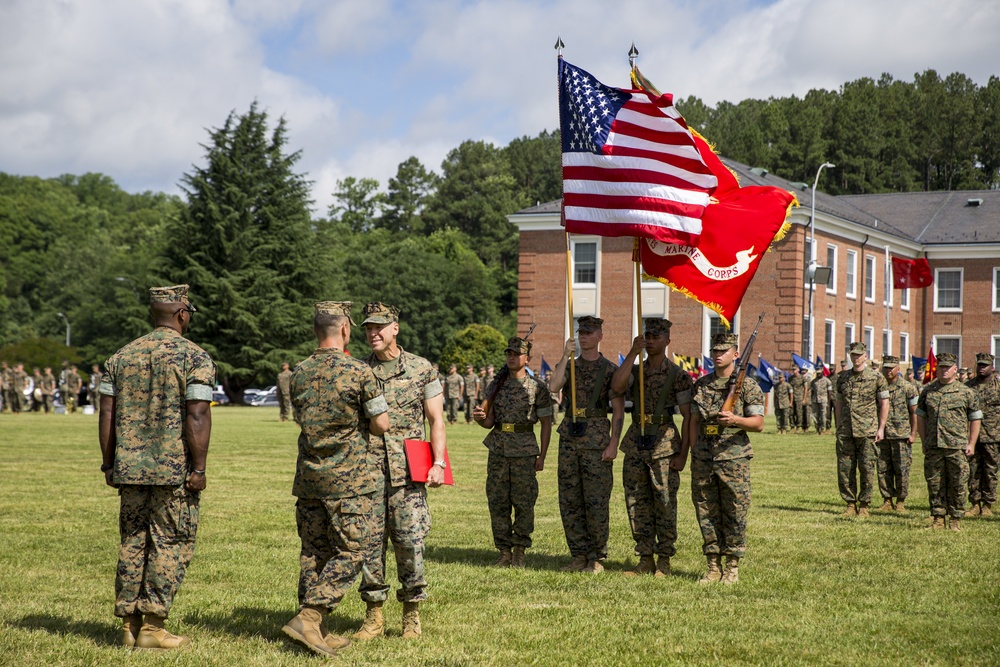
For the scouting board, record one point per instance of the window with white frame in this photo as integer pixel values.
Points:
(870, 278)
(904, 298)
(852, 274)
(869, 340)
(831, 261)
(951, 344)
(585, 263)
(904, 347)
(996, 288)
(828, 343)
(948, 290)
(996, 347)
(848, 335)
(886, 341)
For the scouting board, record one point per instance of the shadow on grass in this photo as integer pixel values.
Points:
(534, 560)
(264, 623)
(105, 634)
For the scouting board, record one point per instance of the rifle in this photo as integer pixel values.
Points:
(740, 371)
(501, 378)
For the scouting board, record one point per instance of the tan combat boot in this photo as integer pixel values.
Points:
(886, 506)
(578, 564)
(955, 524)
(130, 629)
(517, 557)
(900, 507)
(850, 511)
(974, 510)
(937, 523)
(594, 567)
(374, 625)
(411, 620)
(986, 510)
(714, 573)
(305, 629)
(505, 558)
(153, 635)
(732, 572)
(662, 566)
(863, 511)
(646, 565)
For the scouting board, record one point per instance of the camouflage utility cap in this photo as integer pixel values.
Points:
(172, 294)
(857, 347)
(984, 359)
(380, 313)
(724, 341)
(889, 361)
(335, 308)
(963, 370)
(655, 325)
(519, 345)
(588, 323)
(946, 359)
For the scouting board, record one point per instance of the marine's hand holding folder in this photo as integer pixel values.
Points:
(420, 459)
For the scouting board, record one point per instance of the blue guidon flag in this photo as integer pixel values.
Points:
(630, 164)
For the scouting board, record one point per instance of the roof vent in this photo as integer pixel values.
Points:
(976, 201)
(759, 171)
(799, 185)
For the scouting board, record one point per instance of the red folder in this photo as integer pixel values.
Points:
(420, 459)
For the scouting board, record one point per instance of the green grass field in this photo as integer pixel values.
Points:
(815, 588)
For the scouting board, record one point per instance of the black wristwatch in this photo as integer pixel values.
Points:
(107, 466)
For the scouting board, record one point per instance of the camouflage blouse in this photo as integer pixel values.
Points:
(902, 396)
(152, 379)
(948, 409)
(655, 380)
(598, 433)
(731, 443)
(519, 401)
(860, 394)
(989, 399)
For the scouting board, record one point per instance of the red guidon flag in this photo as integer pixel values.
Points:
(930, 374)
(630, 165)
(911, 273)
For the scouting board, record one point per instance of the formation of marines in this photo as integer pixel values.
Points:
(356, 493)
(36, 392)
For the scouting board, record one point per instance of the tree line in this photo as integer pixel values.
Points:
(436, 243)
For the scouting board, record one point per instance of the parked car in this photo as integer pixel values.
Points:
(267, 398)
(219, 398)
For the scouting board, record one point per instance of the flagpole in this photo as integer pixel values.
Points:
(888, 299)
(638, 317)
(569, 307)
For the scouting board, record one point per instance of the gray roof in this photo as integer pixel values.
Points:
(928, 218)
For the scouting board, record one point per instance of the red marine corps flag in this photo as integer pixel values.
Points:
(737, 229)
(911, 273)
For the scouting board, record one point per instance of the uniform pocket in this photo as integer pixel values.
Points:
(353, 518)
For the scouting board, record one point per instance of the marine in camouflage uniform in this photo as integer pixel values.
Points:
(585, 459)
(800, 403)
(284, 392)
(6, 380)
(483, 384)
(720, 460)
(452, 393)
(93, 384)
(470, 384)
(983, 466)
(948, 419)
(895, 451)
(337, 404)
(155, 425)
(861, 398)
(652, 464)
(515, 457)
(49, 389)
(18, 383)
(819, 390)
(412, 390)
(73, 386)
(782, 402)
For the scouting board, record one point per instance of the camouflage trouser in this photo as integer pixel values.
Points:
(721, 494)
(284, 406)
(821, 414)
(894, 458)
(947, 474)
(585, 483)
(47, 402)
(784, 417)
(651, 500)
(856, 458)
(511, 484)
(452, 405)
(157, 525)
(402, 516)
(335, 534)
(802, 416)
(983, 473)
(470, 403)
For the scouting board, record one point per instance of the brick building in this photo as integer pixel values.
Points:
(958, 232)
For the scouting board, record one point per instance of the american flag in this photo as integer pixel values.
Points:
(630, 164)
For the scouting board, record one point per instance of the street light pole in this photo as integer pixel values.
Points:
(65, 319)
(811, 269)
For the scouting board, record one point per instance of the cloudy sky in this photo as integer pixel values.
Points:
(128, 87)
